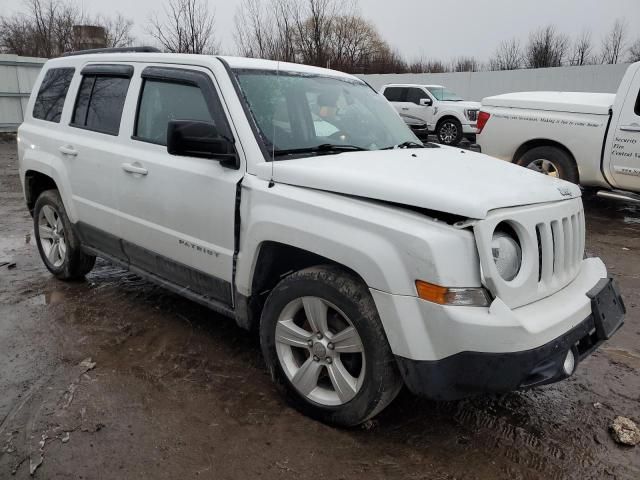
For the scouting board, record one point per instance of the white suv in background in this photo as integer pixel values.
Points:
(296, 201)
(446, 114)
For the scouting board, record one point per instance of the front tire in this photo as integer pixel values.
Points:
(325, 347)
(449, 132)
(551, 161)
(57, 242)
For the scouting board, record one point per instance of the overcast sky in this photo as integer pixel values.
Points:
(435, 29)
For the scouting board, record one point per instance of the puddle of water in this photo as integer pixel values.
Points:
(10, 243)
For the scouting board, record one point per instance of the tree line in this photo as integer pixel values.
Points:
(327, 33)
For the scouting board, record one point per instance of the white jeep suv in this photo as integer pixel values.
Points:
(295, 200)
(446, 114)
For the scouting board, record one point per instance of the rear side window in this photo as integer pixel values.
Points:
(394, 94)
(53, 91)
(163, 101)
(637, 107)
(100, 102)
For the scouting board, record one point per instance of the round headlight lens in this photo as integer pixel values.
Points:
(507, 255)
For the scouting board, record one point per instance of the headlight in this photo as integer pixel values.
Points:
(472, 115)
(507, 254)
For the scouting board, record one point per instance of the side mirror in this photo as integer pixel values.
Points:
(426, 102)
(193, 138)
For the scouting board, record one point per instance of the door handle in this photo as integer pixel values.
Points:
(130, 168)
(68, 150)
(405, 108)
(630, 128)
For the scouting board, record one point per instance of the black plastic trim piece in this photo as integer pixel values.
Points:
(604, 144)
(168, 273)
(108, 69)
(469, 373)
(112, 50)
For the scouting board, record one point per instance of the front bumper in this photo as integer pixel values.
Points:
(468, 373)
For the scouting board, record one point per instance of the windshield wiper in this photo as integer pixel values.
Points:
(323, 148)
(408, 144)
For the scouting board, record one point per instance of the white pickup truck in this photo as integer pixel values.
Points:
(296, 201)
(446, 114)
(588, 138)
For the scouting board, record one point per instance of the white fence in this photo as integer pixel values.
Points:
(17, 76)
(477, 85)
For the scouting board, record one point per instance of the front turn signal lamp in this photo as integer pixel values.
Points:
(466, 297)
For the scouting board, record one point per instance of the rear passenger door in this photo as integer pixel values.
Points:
(90, 147)
(178, 212)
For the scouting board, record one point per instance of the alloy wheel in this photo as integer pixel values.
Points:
(320, 351)
(52, 236)
(545, 167)
(448, 133)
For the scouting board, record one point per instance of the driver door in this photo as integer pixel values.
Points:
(414, 107)
(177, 213)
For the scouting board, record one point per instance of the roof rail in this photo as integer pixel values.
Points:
(113, 50)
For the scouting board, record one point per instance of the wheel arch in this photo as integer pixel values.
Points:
(35, 183)
(274, 261)
(447, 116)
(541, 142)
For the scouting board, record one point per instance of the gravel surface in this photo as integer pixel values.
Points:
(114, 378)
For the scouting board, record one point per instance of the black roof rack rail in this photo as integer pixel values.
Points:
(113, 50)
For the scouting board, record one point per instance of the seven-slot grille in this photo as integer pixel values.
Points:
(560, 248)
(551, 236)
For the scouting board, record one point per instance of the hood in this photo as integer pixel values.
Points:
(464, 104)
(443, 179)
(573, 102)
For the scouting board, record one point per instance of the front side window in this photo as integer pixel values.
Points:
(161, 102)
(444, 95)
(414, 95)
(100, 103)
(300, 111)
(52, 93)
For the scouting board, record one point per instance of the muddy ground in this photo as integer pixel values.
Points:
(180, 392)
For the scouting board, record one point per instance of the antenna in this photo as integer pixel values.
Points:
(273, 130)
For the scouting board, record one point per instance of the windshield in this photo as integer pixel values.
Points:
(296, 111)
(443, 94)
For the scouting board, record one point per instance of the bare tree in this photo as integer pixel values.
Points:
(45, 29)
(546, 48)
(508, 56)
(613, 43)
(316, 32)
(582, 50)
(117, 30)
(187, 27)
(265, 30)
(465, 64)
(634, 51)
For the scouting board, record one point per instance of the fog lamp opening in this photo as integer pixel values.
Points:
(569, 364)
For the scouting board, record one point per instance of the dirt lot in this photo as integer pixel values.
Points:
(179, 392)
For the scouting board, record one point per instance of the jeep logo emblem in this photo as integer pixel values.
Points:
(564, 191)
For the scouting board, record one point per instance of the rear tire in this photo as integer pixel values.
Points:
(551, 161)
(57, 242)
(353, 374)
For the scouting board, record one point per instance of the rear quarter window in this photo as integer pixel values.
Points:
(52, 93)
